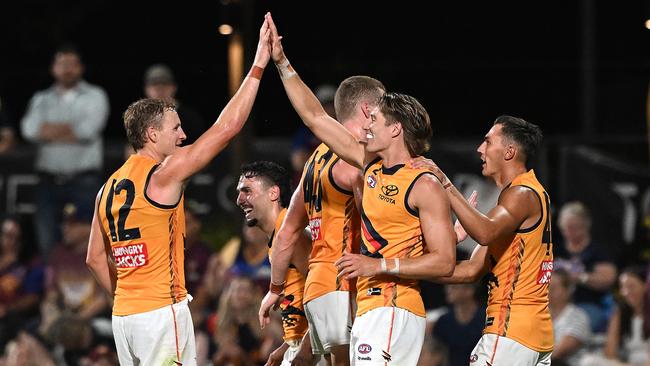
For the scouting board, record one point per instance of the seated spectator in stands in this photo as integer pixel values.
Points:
(7, 133)
(462, 326)
(197, 255)
(239, 339)
(434, 353)
(21, 282)
(571, 328)
(247, 257)
(65, 122)
(590, 266)
(627, 343)
(71, 288)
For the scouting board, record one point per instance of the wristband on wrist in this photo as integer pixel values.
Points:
(383, 264)
(285, 69)
(256, 72)
(395, 269)
(277, 289)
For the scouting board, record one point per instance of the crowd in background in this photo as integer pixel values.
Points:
(52, 311)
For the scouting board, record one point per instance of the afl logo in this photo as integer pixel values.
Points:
(372, 181)
(364, 348)
(390, 190)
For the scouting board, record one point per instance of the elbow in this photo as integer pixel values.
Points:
(447, 269)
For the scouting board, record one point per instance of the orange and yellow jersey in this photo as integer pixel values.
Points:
(334, 224)
(147, 240)
(520, 272)
(389, 229)
(294, 321)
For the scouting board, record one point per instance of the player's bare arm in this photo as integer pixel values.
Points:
(470, 270)
(518, 207)
(327, 129)
(169, 178)
(284, 242)
(98, 259)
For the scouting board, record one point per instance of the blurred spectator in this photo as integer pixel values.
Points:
(66, 122)
(462, 326)
(159, 83)
(303, 141)
(197, 255)
(434, 353)
(627, 343)
(571, 328)
(21, 284)
(7, 133)
(240, 341)
(247, 257)
(71, 288)
(590, 267)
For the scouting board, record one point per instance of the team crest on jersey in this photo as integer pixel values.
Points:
(364, 348)
(131, 256)
(314, 227)
(545, 271)
(473, 358)
(372, 181)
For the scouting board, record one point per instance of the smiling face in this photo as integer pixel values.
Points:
(170, 134)
(632, 289)
(492, 151)
(378, 135)
(254, 199)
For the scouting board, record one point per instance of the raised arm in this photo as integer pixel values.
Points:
(98, 259)
(284, 249)
(327, 129)
(190, 159)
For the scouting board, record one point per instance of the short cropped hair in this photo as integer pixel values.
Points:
(354, 90)
(528, 136)
(273, 174)
(143, 114)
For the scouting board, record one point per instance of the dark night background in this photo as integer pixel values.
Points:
(468, 62)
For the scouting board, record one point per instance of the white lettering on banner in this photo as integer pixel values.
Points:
(131, 256)
(314, 226)
(545, 271)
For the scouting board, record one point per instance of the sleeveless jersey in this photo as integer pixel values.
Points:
(147, 240)
(294, 321)
(389, 229)
(334, 224)
(520, 272)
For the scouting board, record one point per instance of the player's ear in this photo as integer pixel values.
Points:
(510, 152)
(152, 134)
(274, 193)
(396, 129)
(365, 109)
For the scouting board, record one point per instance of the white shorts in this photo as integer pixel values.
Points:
(495, 350)
(158, 337)
(292, 351)
(330, 321)
(387, 336)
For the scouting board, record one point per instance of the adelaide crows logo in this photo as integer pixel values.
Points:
(390, 190)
